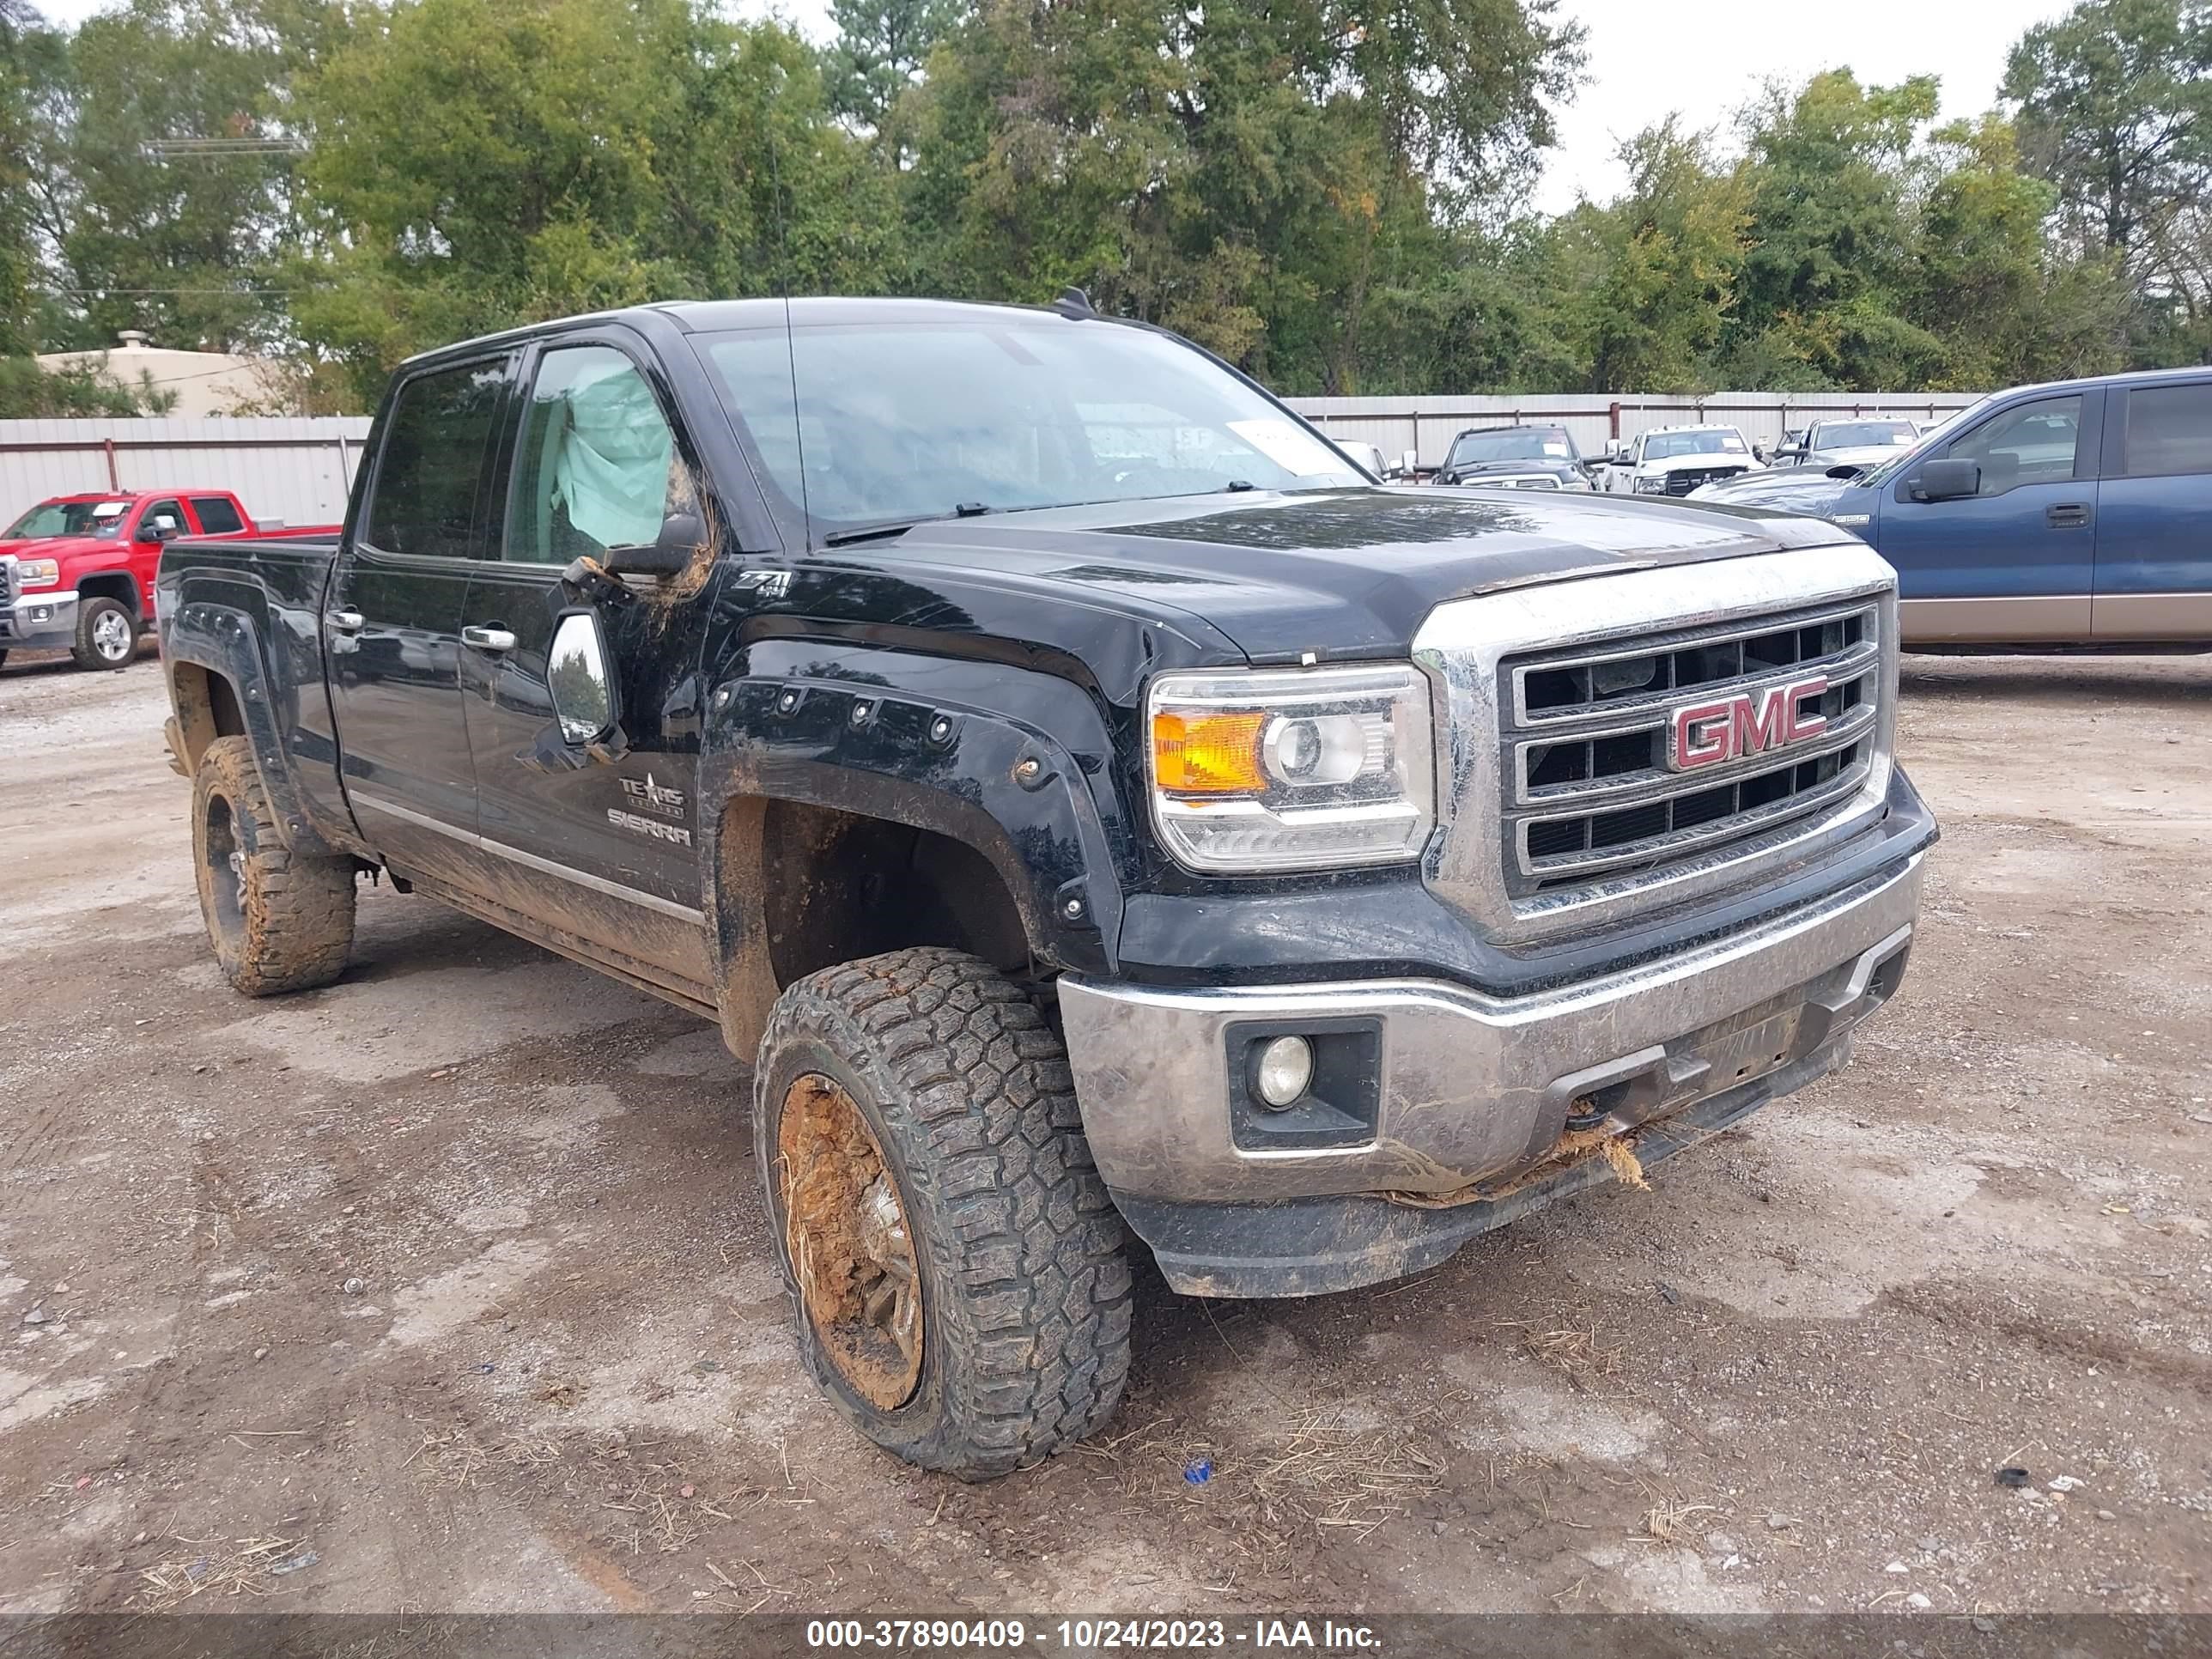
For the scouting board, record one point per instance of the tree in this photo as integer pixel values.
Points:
(2116, 111)
(1653, 275)
(152, 228)
(880, 48)
(1255, 171)
(27, 51)
(478, 163)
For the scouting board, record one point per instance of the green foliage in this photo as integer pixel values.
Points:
(29, 391)
(480, 163)
(2116, 111)
(1322, 190)
(880, 48)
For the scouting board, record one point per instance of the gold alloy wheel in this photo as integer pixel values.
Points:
(851, 1249)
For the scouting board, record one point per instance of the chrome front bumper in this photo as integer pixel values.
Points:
(1463, 1086)
(38, 622)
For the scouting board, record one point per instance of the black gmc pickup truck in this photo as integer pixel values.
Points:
(1094, 805)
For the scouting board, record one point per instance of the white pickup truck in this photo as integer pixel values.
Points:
(1674, 460)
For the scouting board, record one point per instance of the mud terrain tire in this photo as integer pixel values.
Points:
(1024, 1276)
(279, 921)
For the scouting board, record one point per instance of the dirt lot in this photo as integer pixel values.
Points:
(446, 1288)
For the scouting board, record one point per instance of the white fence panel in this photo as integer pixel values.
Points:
(295, 470)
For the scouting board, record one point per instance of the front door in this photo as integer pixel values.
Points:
(602, 827)
(2154, 565)
(392, 631)
(2014, 562)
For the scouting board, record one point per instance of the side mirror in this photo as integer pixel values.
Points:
(163, 530)
(669, 554)
(1948, 480)
(577, 675)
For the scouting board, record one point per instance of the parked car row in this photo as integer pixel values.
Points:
(76, 572)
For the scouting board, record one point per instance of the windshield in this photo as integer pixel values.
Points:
(1711, 440)
(1864, 434)
(100, 519)
(899, 421)
(1929, 440)
(1512, 444)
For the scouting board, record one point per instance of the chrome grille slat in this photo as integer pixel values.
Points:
(1845, 665)
(1630, 789)
(1865, 654)
(1675, 843)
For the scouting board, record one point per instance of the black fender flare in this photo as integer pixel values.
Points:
(926, 743)
(225, 641)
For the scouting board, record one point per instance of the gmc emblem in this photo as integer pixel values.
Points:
(1748, 723)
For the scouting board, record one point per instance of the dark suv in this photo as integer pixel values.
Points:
(1517, 458)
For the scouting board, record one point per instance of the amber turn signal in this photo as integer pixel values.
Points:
(1200, 754)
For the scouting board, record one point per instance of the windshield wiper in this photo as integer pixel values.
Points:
(869, 533)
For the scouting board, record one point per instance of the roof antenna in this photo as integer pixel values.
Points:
(790, 343)
(1074, 302)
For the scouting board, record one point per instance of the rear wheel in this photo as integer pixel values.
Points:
(279, 921)
(957, 1266)
(106, 635)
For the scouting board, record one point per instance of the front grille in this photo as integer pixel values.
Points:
(1590, 793)
(1681, 484)
(7, 581)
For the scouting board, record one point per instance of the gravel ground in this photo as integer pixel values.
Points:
(446, 1288)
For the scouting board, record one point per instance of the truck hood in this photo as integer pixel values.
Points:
(60, 547)
(1813, 489)
(1342, 573)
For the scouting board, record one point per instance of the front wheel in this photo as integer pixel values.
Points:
(279, 921)
(957, 1266)
(106, 636)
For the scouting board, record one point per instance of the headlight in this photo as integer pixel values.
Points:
(1267, 769)
(1650, 486)
(38, 572)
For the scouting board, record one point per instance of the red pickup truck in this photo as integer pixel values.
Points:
(76, 572)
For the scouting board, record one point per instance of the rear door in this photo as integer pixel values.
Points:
(2154, 559)
(2015, 562)
(392, 631)
(603, 833)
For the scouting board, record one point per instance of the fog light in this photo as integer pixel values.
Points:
(1284, 1071)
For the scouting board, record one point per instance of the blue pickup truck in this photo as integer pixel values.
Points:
(2078, 512)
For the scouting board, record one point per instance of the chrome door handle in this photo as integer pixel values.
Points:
(494, 640)
(346, 621)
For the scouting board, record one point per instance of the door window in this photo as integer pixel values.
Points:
(159, 514)
(597, 466)
(2170, 430)
(216, 515)
(2030, 443)
(440, 427)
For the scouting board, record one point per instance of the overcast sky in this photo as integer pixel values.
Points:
(1704, 58)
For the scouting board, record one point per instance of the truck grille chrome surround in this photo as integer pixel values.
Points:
(8, 580)
(1617, 743)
